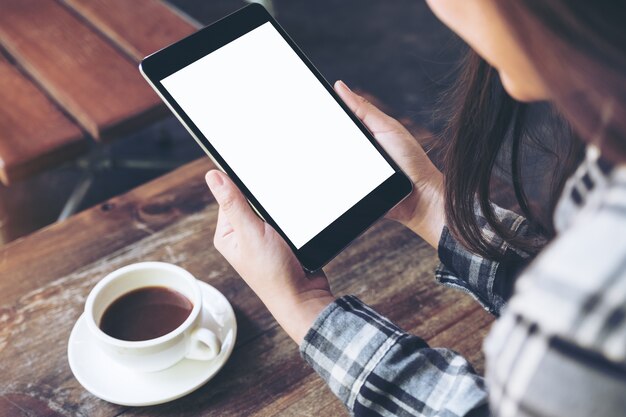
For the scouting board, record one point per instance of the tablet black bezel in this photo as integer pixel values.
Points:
(340, 233)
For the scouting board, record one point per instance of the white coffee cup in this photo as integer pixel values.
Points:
(189, 340)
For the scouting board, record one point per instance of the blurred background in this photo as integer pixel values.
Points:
(396, 52)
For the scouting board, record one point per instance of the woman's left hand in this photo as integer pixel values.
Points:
(265, 261)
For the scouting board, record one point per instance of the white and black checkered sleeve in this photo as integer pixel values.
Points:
(489, 282)
(376, 369)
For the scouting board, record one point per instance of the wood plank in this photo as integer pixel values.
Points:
(29, 263)
(310, 397)
(34, 134)
(9, 408)
(82, 71)
(139, 27)
(14, 405)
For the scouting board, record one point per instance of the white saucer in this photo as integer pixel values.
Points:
(108, 380)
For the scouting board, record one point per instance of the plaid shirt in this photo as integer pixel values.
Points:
(558, 348)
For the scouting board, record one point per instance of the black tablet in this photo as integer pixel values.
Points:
(266, 116)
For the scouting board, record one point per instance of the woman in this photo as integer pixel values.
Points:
(559, 346)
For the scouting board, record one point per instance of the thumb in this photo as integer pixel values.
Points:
(373, 118)
(232, 202)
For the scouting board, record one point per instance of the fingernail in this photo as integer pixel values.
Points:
(344, 85)
(214, 180)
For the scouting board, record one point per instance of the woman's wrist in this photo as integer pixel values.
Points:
(428, 218)
(297, 315)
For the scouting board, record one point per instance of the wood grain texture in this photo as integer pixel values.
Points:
(45, 278)
(139, 27)
(82, 71)
(102, 230)
(34, 134)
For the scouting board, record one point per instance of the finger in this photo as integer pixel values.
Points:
(232, 203)
(223, 228)
(373, 118)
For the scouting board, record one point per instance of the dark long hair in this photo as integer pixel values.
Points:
(577, 47)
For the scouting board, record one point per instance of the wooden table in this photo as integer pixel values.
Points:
(44, 279)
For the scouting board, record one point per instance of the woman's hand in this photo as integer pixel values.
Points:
(265, 261)
(423, 210)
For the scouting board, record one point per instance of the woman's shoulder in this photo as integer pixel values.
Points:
(563, 332)
(575, 289)
(586, 189)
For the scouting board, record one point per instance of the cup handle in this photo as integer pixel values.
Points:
(204, 345)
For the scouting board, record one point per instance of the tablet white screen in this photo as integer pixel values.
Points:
(280, 131)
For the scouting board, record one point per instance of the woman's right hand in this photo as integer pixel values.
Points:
(423, 210)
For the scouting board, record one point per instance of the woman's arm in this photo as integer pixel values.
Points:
(489, 282)
(376, 369)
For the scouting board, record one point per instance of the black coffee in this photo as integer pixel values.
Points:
(145, 313)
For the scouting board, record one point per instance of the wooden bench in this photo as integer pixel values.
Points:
(71, 75)
(34, 133)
